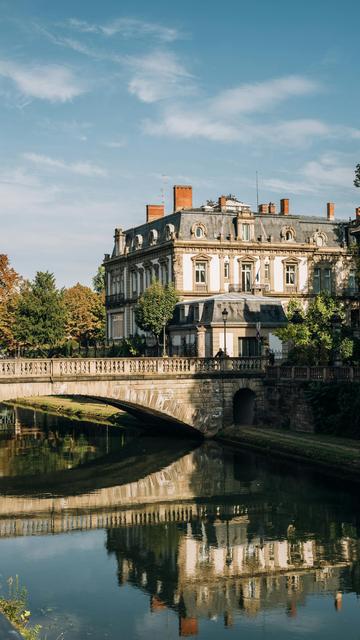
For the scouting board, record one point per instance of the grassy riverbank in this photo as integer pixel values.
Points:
(77, 408)
(14, 608)
(338, 455)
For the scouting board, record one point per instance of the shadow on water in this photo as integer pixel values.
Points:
(59, 456)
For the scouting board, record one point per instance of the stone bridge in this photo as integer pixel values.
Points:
(200, 395)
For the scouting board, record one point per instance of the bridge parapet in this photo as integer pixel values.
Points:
(320, 374)
(98, 367)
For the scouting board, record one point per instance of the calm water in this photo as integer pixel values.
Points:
(122, 536)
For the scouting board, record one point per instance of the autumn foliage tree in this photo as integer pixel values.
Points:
(9, 293)
(85, 315)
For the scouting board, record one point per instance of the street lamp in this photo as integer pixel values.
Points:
(225, 314)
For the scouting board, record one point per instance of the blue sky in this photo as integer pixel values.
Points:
(104, 104)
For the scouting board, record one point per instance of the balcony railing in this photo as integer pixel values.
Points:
(114, 300)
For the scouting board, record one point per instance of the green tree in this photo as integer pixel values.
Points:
(99, 280)
(156, 307)
(85, 315)
(357, 176)
(9, 291)
(40, 315)
(311, 335)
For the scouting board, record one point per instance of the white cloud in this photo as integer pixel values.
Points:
(159, 75)
(46, 82)
(327, 172)
(261, 96)
(81, 168)
(188, 124)
(127, 28)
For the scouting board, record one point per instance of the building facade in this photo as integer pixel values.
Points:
(224, 247)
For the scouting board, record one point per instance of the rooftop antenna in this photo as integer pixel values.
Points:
(164, 179)
(257, 192)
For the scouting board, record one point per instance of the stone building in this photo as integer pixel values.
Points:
(224, 247)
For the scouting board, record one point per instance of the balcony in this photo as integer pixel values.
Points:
(114, 300)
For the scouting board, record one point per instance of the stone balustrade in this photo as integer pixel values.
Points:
(101, 367)
(319, 374)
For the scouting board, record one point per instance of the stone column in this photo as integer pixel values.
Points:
(200, 341)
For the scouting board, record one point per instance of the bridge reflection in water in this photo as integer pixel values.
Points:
(210, 534)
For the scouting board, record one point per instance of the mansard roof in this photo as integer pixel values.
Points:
(223, 226)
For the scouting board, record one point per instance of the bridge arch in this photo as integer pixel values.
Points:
(244, 406)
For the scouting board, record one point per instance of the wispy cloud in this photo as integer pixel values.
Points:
(187, 124)
(54, 83)
(326, 172)
(127, 28)
(159, 75)
(81, 168)
(261, 96)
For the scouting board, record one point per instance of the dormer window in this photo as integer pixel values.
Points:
(138, 241)
(199, 232)
(153, 236)
(246, 232)
(169, 231)
(288, 234)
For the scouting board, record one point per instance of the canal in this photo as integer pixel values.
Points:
(116, 534)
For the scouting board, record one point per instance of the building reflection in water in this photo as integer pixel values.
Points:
(212, 568)
(211, 535)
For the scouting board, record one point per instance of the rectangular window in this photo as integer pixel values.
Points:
(226, 270)
(317, 280)
(246, 277)
(249, 347)
(200, 273)
(327, 280)
(267, 271)
(352, 281)
(290, 275)
(246, 232)
(134, 282)
(117, 325)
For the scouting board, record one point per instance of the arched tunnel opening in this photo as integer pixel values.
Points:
(244, 407)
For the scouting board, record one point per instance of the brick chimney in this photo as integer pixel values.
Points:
(272, 207)
(182, 197)
(284, 206)
(222, 203)
(330, 210)
(357, 213)
(263, 208)
(154, 211)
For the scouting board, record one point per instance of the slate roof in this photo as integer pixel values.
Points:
(243, 308)
(268, 227)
